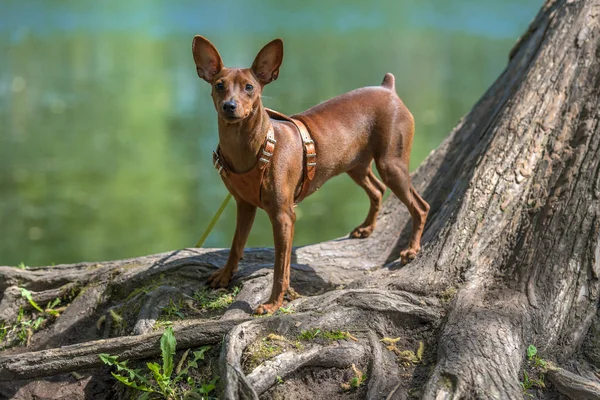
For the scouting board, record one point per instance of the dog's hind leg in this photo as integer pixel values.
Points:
(366, 179)
(394, 172)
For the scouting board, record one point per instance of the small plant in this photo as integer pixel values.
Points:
(160, 380)
(447, 294)
(160, 324)
(312, 334)
(420, 351)
(529, 382)
(19, 332)
(21, 265)
(261, 350)
(286, 310)
(405, 357)
(356, 381)
(215, 300)
(538, 368)
(534, 358)
(390, 341)
(173, 310)
(335, 335)
(26, 325)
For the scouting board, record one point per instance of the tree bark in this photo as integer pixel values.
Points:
(511, 256)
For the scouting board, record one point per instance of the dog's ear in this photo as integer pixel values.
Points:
(266, 64)
(207, 58)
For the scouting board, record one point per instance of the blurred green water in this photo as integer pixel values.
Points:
(106, 132)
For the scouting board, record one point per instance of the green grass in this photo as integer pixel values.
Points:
(286, 310)
(260, 351)
(215, 300)
(173, 310)
(27, 323)
(316, 333)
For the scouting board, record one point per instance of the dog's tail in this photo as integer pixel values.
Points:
(389, 82)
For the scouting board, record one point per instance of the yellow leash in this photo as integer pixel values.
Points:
(213, 221)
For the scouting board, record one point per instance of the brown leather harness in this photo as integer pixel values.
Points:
(247, 185)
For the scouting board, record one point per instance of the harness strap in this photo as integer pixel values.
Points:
(264, 157)
(310, 159)
(310, 153)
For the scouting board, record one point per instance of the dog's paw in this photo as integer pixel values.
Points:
(362, 232)
(268, 308)
(220, 278)
(408, 255)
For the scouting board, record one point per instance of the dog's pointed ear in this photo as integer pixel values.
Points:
(207, 58)
(266, 64)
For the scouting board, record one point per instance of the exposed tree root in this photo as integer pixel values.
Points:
(80, 309)
(480, 347)
(572, 385)
(383, 373)
(85, 355)
(152, 305)
(356, 309)
(255, 290)
(338, 355)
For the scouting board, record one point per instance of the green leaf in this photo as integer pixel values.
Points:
(126, 381)
(209, 387)
(27, 294)
(108, 359)
(52, 312)
(542, 363)
(420, 351)
(531, 351)
(155, 368)
(167, 347)
(37, 323)
(198, 355)
(54, 303)
(526, 382)
(144, 396)
(180, 363)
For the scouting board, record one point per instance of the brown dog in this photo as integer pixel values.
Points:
(349, 132)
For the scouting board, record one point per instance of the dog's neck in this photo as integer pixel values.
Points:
(241, 142)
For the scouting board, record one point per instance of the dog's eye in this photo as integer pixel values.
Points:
(249, 87)
(219, 86)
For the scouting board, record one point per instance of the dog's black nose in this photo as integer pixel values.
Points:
(229, 106)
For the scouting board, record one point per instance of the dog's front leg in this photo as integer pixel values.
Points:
(245, 217)
(283, 220)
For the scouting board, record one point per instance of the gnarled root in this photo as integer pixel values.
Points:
(572, 385)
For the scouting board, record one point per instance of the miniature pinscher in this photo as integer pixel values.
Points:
(266, 163)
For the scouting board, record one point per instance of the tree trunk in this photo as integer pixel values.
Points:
(511, 256)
